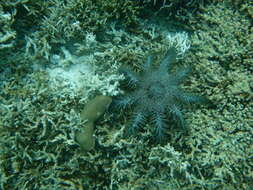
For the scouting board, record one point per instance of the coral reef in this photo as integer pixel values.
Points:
(7, 34)
(61, 25)
(68, 72)
(39, 109)
(156, 92)
(91, 112)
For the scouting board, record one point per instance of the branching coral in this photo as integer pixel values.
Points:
(156, 93)
(6, 33)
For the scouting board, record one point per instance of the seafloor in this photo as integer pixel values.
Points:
(58, 55)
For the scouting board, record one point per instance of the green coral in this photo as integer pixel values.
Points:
(7, 34)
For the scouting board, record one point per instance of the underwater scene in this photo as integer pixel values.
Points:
(126, 95)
